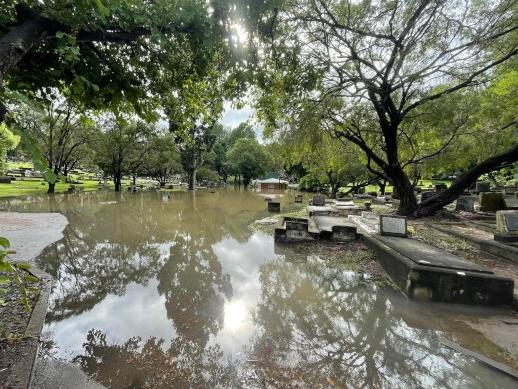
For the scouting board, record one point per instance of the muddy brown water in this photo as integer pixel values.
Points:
(174, 290)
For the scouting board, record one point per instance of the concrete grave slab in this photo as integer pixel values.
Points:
(425, 272)
(321, 211)
(335, 228)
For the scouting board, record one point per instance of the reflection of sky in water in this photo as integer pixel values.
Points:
(140, 311)
(242, 262)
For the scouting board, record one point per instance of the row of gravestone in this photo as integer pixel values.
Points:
(489, 202)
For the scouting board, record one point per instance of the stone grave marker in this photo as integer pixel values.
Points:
(506, 226)
(393, 226)
(465, 203)
(511, 203)
(491, 201)
(482, 186)
(298, 198)
(274, 206)
(319, 201)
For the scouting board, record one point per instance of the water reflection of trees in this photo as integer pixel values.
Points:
(195, 289)
(115, 239)
(321, 327)
(137, 364)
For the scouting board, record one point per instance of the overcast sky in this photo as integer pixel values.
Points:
(232, 117)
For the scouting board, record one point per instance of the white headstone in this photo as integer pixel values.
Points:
(393, 225)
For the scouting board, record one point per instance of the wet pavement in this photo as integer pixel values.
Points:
(155, 290)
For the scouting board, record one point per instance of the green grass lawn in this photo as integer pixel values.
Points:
(20, 188)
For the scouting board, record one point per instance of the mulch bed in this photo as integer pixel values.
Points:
(14, 347)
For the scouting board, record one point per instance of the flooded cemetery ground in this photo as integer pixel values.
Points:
(175, 290)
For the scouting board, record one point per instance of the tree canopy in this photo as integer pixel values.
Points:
(375, 74)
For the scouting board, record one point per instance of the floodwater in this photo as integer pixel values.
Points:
(174, 290)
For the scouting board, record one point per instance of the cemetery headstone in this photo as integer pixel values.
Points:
(298, 198)
(5, 180)
(393, 226)
(506, 226)
(465, 203)
(491, 201)
(367, 205)
(274, 206)
(319, 201)
(482, 186)
(511, 203)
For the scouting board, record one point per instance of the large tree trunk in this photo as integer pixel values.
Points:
(382, 184)
(404, 190)
(433, 204)
(192, 179)
(334, 190)
(52, 188)
(117, 180)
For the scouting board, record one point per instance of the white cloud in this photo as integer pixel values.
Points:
(232, 117)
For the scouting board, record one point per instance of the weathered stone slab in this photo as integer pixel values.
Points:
(427, 255)
(274, 206)
(511, 203)
(321, 211)
(482, 186)
(465, 203)
(393, 226)
(298, 198)
(346, 210)
(318, 201)
(292, 229)
(507, 221)
(426, 272)
(335, 228)
(506, 226)
(491, 201)
(380, 200)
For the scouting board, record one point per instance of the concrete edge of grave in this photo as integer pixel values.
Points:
(376, 246)
(492, 247)
(35, 326)
(480, 357)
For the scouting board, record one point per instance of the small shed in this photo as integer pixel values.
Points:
(270, 185)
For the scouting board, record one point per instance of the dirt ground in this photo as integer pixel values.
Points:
(29, 234)
(14, 347)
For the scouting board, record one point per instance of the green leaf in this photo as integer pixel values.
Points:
(23, 265)
(4, 280)
(30, 278)
(4, 242)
